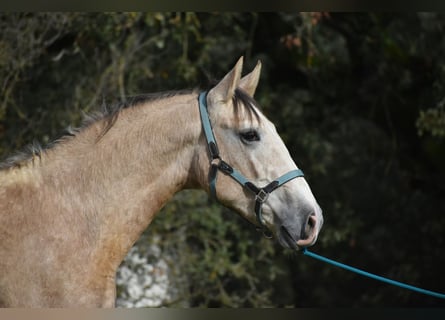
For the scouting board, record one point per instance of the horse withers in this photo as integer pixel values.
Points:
(70, 213)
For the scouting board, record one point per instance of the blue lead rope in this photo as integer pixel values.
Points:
(373, 276)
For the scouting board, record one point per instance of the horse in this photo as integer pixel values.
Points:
(70, 212)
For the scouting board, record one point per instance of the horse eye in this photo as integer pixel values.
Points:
(249, 136)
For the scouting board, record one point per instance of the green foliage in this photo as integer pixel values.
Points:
(358, 99)
(217, 253)
(432, 121)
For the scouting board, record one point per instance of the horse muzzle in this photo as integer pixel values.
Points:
(305, 235)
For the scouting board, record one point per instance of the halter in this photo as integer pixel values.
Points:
(217, 164)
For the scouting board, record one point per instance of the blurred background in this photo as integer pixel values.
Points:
(358, 99)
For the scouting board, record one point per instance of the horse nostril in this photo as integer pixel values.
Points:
(308, 232)
(310, 225)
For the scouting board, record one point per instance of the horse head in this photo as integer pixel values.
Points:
(259, 178)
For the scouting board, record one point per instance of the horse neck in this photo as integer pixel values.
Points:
(121, 181)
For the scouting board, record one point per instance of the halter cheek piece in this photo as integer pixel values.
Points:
(217, 164)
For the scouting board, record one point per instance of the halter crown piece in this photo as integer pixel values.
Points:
(217, 164)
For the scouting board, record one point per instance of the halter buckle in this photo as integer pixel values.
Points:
(261, 196)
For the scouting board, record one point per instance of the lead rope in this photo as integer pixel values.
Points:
(373, 276)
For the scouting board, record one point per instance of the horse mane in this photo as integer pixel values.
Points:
(110, 113)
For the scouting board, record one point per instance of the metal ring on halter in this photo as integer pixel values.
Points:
(215, 162)
(266, 232)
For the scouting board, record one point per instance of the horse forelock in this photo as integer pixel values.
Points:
(242, 100)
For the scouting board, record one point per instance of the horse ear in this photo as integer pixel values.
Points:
(225, 89)
(249, 82)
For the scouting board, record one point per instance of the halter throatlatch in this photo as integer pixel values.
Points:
(217, 164)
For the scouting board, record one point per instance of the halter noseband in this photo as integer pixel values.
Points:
(216, 163)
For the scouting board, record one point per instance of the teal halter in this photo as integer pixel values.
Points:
(217, 164)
